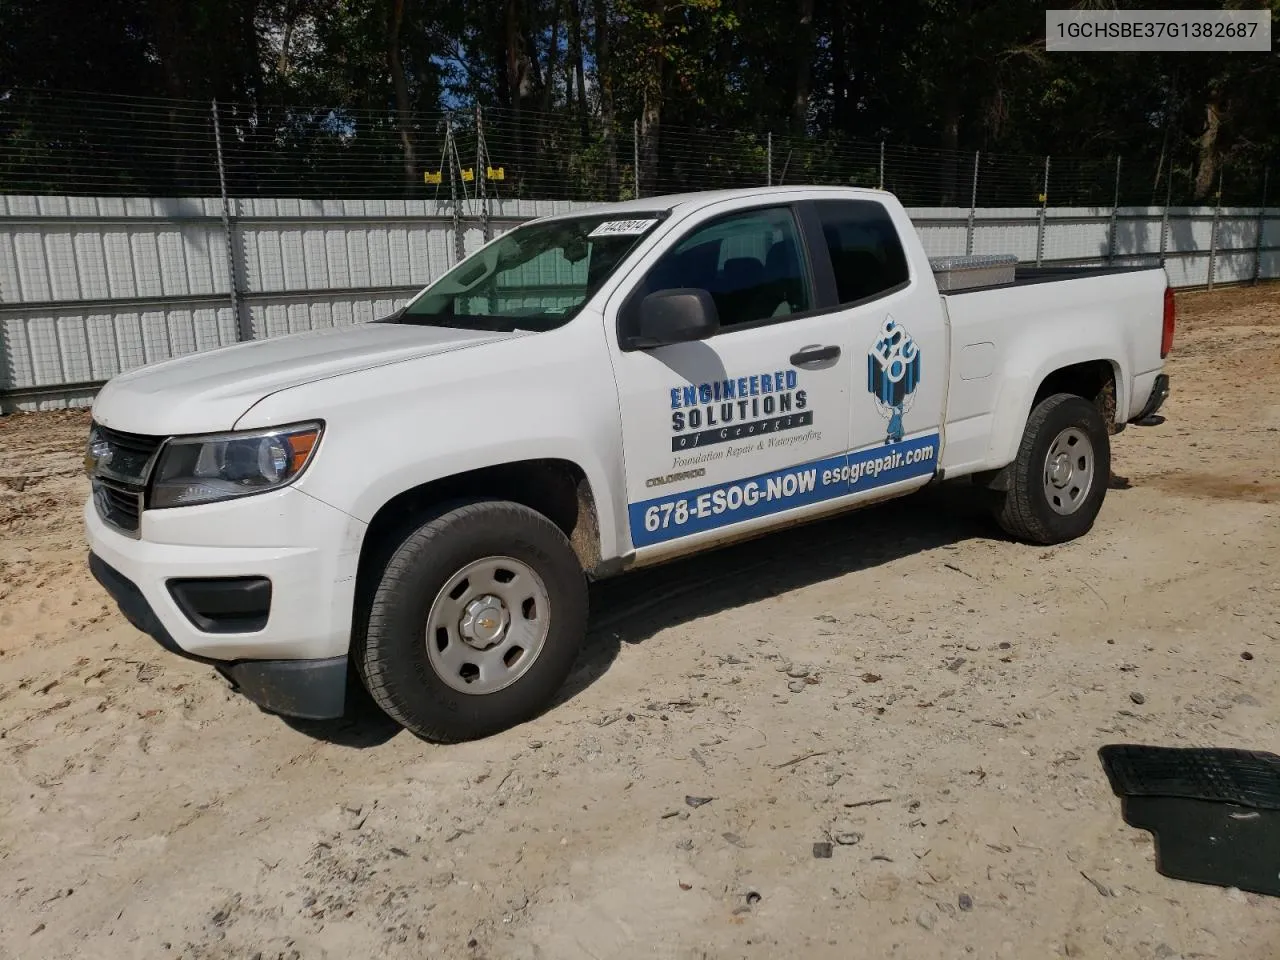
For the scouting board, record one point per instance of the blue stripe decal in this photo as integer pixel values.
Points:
(724, 504)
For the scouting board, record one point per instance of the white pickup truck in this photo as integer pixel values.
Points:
(420, 501)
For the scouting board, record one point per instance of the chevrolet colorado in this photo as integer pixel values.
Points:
(420, 501)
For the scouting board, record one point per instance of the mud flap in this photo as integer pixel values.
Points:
(312, 689)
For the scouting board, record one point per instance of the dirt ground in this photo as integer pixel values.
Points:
(947, 693)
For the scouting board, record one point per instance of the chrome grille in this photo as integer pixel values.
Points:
(130, 454)
(119, 465)
(118, 505)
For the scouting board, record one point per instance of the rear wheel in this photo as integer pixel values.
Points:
(475, 623)
(1059, 478)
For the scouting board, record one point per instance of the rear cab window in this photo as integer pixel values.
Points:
(866, 254)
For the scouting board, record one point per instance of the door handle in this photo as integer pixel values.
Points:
(817, 353)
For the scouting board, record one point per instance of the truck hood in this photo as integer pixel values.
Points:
(209, 392)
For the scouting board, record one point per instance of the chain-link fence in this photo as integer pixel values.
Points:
(56, 143)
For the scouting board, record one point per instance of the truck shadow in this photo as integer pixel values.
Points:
(632, 608)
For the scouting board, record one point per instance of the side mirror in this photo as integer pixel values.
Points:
(675, 316)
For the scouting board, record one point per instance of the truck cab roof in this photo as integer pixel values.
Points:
(689, 202)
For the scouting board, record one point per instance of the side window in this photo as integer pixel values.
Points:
(751, 263)
(866, 254)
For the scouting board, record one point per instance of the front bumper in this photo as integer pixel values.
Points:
(315, 689)
(295, 661)
(307, 549)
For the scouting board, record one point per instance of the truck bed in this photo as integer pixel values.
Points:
(1023, 330)
(1026, 275)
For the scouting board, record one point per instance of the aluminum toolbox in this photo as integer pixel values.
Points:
(979, 270)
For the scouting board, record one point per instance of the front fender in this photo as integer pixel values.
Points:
(550, 395)
(378, 490)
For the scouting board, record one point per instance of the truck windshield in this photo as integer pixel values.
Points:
(534, 278)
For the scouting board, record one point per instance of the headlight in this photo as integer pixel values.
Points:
(205, 469)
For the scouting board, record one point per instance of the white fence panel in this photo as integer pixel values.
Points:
(1081, 235)
(943, 230)
(1189, 270)
(1137, 233)
(1007, 230)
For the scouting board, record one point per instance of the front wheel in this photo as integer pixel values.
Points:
(1059, 478)
(475, 623)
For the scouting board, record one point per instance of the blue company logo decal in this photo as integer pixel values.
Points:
(893, 373)
(724, 504)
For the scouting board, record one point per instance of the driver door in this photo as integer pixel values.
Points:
(742, 430)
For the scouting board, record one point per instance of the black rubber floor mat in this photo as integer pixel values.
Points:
(1214, 814)
(1197, 773)
(1205, 842)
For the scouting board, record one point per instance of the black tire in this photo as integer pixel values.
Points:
(391, 653)
(1025, 511)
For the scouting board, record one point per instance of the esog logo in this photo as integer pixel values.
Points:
(893, 373)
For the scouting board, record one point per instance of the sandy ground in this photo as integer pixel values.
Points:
(957, 689)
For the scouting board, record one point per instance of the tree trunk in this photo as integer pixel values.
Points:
(575, 38)
(171, 32)
(515, 85)
(1164, 148)
(240, 77)
(553, 60)
(282, 61)
(1207, 168)
(401, 85)
(511, 53)
(502, 67)
(1168, 113)
(842, 106)
(651, 110)
(950, 143)
(804, 68)
(650, 121)
(529, 66)
(604, 82)
(570, 94)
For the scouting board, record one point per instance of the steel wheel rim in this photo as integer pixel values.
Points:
(488, 625)
(1069, 469)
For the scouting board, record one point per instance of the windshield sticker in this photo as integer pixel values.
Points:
(622, 228)
(893, 374)
(703, 414)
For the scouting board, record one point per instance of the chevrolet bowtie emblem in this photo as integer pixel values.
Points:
(98, 455)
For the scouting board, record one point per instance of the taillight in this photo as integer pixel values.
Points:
(1170, 317)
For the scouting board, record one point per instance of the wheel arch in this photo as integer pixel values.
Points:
(1097, 380)
(1092, 375)
(556, 488)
